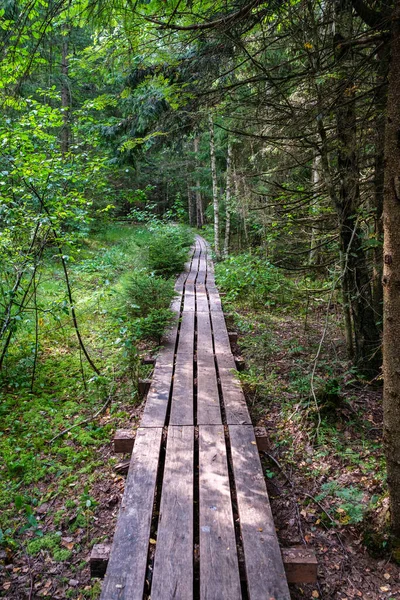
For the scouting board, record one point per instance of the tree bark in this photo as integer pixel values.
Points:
(199, 202)
(380, 107)
(228, 199)
(65, 98)
(391, 278)
(356, 276)
(214, 187)
(191, 205)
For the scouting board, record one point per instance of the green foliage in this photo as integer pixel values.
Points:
(349, 502)
(146, 292)
(249, 278)
(147, 299)
(168, 252)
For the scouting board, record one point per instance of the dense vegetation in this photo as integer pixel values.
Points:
(273, 127)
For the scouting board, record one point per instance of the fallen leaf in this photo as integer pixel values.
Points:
(386, 575)
(152, 541)
(315, 594)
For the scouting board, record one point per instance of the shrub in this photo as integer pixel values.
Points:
(146, 292)
(152, 327)
(254, 279)
(168, 252)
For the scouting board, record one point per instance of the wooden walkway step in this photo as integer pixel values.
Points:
(195, 521)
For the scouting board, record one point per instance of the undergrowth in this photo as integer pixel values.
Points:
(47, 385)
(325, 435)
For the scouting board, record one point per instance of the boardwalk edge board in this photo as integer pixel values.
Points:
(195, 519)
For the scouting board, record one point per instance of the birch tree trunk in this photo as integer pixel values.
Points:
(228, 199)
(214, 187)
(391, 279)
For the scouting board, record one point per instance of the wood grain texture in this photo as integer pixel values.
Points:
(204, 335)
(155, 410)
(208, 405)
(263, 561)
(221, 338)
(201, 298)
(182, 393)
(173, 567)
(219, 571)
(186, 334)
(189, 299)
(126, 569)
(236, 410)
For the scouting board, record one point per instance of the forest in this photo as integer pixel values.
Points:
(272, 129)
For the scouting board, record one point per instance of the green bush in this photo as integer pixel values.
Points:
(146, 292)
(168, 252)
(153, 325)
(254, 279)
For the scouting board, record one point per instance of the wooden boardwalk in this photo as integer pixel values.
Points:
(195, 521)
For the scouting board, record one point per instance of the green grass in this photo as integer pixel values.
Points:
(65, 390)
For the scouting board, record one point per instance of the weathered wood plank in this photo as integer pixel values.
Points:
(182, 393)
(204, 335)
(126, 569)
(201, 298)
(221, 339)
(215, 302)
(155, 410)
(236, 410)
(186, 334)
(219, 571)
(189, 300)
(208, 406)
(173, 566)
(264, 566)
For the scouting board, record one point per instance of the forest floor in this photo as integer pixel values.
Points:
(326, 482)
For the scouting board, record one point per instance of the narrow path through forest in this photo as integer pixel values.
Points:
(195, 520)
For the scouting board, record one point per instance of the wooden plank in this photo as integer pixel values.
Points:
(173, 566)
(126, 569)
(208, 406)
(219, 571)
(204, 335)
(264, 566)
(236, 410)
(169, 337)
(189, 300)
(221, 339)
(155, 410)
(201, 299)
(215, 302)
(186, 334)
(176, 303)
(182, 393)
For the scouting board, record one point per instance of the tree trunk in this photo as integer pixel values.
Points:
(228, 199)
(199, 202)
(380, 107)
(214, 187)
(315, 180)
(356, 277)
(191, 205)
(65, 98)
(391, 279)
